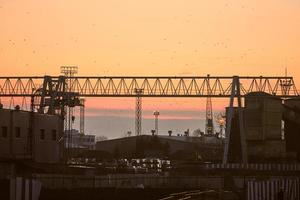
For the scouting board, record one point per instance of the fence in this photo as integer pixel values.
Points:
(24, 189)
(129, 181)
(255, 166)
(274, 189)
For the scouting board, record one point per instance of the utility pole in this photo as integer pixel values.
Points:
(82, 111)
(138, 111)
(156, 114)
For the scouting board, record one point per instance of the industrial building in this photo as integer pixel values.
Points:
(75, 139)
(267, 133)
(263, 127)
(291, 116)
(30, 136)
(176, 147)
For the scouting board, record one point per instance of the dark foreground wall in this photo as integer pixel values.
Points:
(4, 189)
(107, 194)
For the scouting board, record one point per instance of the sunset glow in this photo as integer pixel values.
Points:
(143, 38)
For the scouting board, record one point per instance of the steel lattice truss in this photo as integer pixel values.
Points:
(206, 86)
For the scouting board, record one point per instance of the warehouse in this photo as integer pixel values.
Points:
(32, 136)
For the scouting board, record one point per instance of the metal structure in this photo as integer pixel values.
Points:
(51, 94)
(138, 111)
(52, 97)
(156, 114)
(116, 86)
(235, 93)
(286, 84)
(197, 86)
(209, 125)
(82, 120)
(69, 71)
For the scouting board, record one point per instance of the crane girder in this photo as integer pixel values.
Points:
(161, 86)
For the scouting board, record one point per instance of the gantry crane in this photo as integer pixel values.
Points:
(54, 95)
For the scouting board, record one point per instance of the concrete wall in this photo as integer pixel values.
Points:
(15, 143)
(20, 120)
(263, 115)
(263, 128)
(275, 149)
(47, 149)
(268, 150)
(292, 126)
(5, 142)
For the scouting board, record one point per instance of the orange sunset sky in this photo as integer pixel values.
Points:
(158, 37)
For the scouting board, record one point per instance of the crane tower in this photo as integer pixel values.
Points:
(138, 112)
(209, 125)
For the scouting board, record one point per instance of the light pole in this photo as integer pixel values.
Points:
(156, 114)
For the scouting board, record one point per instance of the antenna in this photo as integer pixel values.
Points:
(285, 71)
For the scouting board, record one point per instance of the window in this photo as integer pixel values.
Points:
(53, 134)
(17, 132)
(42, 134)
(4, 131)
